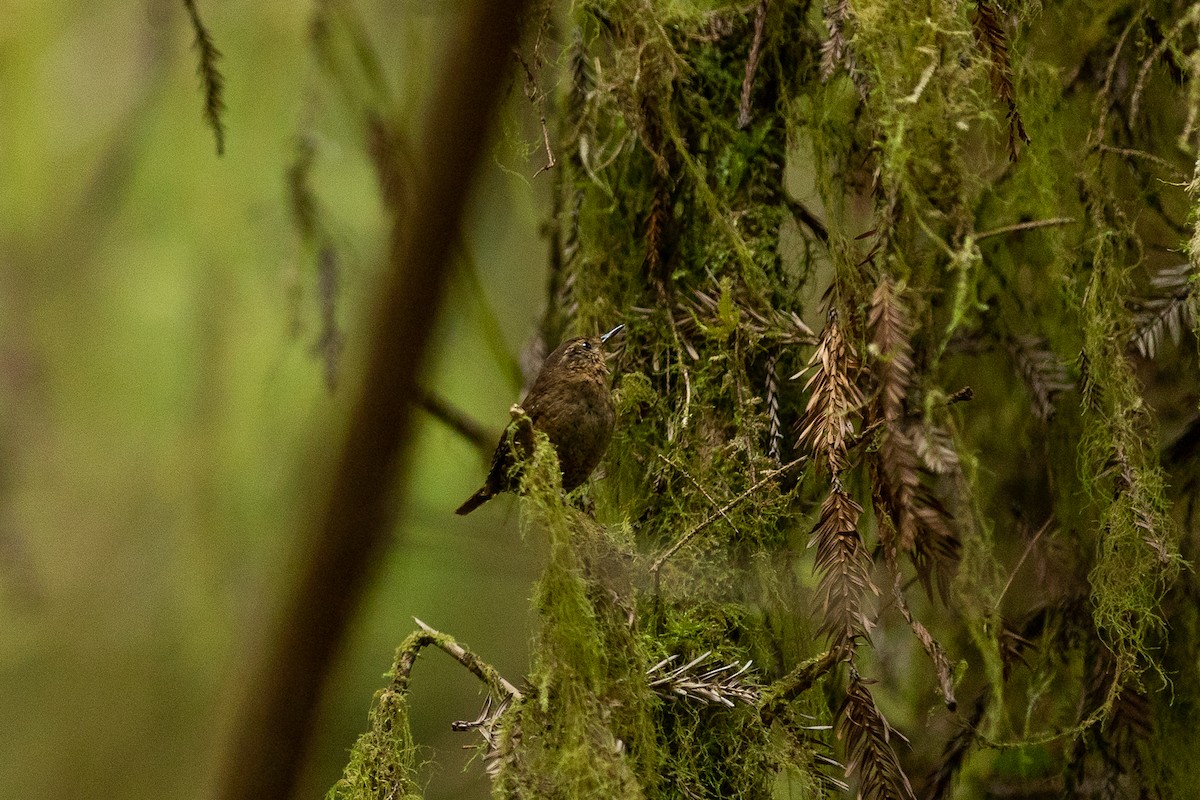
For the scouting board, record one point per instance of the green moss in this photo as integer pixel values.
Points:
(704, 238)
(383, 762)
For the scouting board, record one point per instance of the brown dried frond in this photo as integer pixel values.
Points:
(937, 548)
(890, 342)
(921, 522)
(867, 737)
(891, 334)
(899, 481)
(935, 447)
(833, 400)
(706, 683)
(1013, 647)
(760, 19)
(775, 431)
(993, 41)
(834, 50)
(210, 76)
(845, 569)
(657, 221)
(1119, 742)
(1132, 717)
(1169, 312)
(1044, 373)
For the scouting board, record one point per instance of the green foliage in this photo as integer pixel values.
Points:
(969, 195)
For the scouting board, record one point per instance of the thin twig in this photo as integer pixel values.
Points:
(670, 461)
(535, 93)
(1129, 152)
(720, 512)
(1028, 549)
(1024, 226)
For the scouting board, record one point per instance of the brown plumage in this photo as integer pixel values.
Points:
(571, 403)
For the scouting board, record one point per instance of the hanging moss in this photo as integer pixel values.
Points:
(383, 762)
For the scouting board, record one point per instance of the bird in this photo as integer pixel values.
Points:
(571, 403)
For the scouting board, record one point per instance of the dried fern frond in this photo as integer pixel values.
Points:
(868, 740)
(891, 333)
(936, 449)
(845, 569)
(921, 522)
(993, 41)
(760, 19)
(933, 648)
(657, 221)
(833, 399)
(487, 725)
(890, 344)
(694, 680)
(937, 548)
(1044, 373)
(1169, 312)
(775, 431)
(834, 51)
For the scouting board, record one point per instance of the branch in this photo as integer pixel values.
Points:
(760, 19)
(447, 644)
(800, 212)
(783, 691)
(353, 522)
(456, 420)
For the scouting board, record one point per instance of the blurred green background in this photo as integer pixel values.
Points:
(164, 412)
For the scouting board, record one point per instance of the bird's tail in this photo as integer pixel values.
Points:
(475, 501)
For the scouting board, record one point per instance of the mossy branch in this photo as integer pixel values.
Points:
(383, 762)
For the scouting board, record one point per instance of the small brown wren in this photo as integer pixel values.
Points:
(571, 403)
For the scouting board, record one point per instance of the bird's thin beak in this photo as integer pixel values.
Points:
(610, 334)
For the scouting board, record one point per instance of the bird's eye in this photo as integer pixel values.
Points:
(585, 344)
